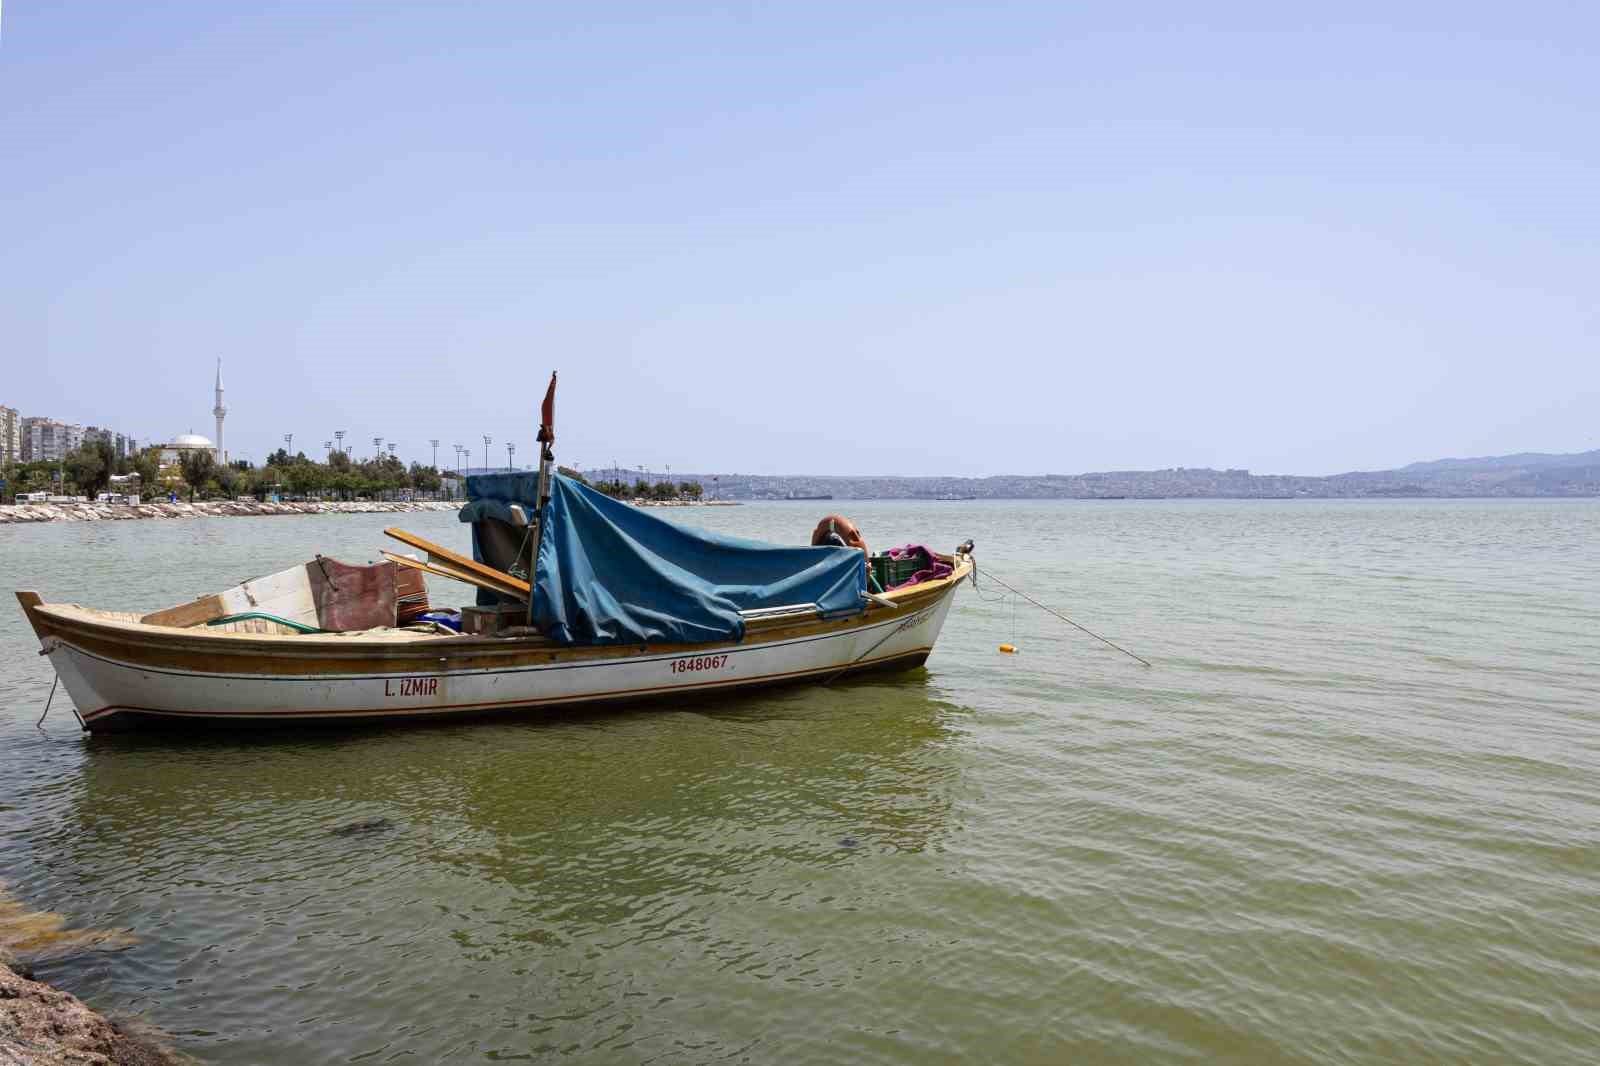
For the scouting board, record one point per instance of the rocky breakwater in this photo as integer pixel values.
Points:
(685, 503)
(115, 512)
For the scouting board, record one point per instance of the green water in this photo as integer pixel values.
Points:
(1350, 816)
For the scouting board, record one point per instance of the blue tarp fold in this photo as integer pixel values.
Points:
(611, 573)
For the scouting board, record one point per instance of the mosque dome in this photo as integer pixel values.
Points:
(190, 440)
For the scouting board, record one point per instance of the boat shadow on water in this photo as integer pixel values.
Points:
(870, 757)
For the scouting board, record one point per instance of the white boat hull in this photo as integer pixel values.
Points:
(115, 688)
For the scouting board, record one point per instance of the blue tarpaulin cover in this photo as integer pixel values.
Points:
(611, 573)
(490, 496)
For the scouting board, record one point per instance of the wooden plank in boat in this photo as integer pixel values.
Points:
(196, 613)
(287, 594)
(442, 569)
(458, 562)
(510, 586)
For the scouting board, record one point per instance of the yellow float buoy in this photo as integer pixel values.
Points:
(1009, 649)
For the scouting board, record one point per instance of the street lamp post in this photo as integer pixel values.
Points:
(510, 451)
(338, 435)
(288, 443)
(435, 455)
(486, 442)
(377, 447)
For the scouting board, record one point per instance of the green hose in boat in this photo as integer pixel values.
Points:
(298, 627)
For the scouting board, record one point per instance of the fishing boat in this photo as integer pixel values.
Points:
(582, 600)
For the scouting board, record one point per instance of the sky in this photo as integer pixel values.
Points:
(897, 238)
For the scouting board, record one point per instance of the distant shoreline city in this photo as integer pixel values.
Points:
(37, 440)
(1524, 475)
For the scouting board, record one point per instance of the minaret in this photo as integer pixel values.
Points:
(221, 412)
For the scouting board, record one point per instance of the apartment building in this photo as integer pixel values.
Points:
(121, 443)
(10, 435)
(46, 440)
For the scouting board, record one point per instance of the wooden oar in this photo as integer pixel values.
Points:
(510, 586)
(443, 569)
(442, 555)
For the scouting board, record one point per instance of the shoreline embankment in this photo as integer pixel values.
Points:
(684, 503)
(23, 513)
(119, 512)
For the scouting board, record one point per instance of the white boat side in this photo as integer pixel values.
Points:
(120, 674)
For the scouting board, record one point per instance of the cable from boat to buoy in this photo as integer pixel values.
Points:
(1011, 649)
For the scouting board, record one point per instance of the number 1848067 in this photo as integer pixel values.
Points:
(699, 662)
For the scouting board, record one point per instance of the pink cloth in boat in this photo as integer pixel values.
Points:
(932, 571)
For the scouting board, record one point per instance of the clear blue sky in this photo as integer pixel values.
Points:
(857, 238)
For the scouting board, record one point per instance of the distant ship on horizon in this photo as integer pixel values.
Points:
(793, 496)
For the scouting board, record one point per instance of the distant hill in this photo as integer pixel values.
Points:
(1520, 461)
(1524, 474)
(1485, 462)
(1528, 474)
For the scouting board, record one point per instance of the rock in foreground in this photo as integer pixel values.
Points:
(43, 1026)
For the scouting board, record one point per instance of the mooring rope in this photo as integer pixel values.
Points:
(1050, 610)
(39, 725)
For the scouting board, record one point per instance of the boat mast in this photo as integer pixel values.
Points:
(547, 457)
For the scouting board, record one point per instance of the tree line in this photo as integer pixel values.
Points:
(644, 490)
(197, 475)
(88, 470)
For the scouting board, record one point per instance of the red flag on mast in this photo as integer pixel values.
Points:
(547, 415)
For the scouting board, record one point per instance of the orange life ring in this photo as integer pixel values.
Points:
(839, 525)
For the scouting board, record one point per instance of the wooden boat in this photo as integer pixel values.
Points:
(123, 673)
(619, 606)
